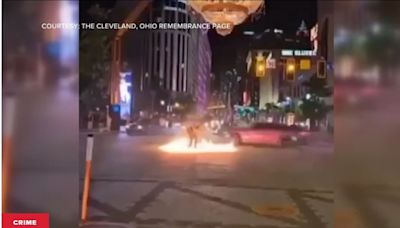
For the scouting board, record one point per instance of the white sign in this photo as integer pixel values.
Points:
(287, 53)
(297, 53)
(271, 63)
(315, 47)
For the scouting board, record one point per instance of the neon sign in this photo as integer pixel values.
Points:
(297, 53)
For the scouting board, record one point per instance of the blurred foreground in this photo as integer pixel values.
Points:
(40, 110)
(366, 113)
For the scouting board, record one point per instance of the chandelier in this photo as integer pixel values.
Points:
(228, 12)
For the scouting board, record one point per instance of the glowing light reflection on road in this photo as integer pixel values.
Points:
(180, 146)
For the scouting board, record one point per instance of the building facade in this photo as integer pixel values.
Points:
(273, 88)
(168, 62)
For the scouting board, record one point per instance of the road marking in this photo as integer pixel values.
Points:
(284, 210)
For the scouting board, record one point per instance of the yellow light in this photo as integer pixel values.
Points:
(260, 67)
(290, 67)
(305, 64)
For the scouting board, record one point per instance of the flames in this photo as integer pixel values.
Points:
(180, 146)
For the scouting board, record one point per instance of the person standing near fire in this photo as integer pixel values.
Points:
(193, 135)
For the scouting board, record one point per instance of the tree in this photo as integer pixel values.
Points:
(318, 86)
(94, 62)
(313, 108)
(230, 87)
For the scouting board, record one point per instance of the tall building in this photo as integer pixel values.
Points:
(169, 62)
(201, 83)
(166, 64)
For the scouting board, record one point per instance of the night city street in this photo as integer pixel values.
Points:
(226, 123)
(200, 114)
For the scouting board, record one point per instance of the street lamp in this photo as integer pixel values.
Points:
(260, 65)
(162, 102)
(260, 68)
(177, 105)
(290, 69)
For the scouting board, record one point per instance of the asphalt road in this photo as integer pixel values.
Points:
(135, 183)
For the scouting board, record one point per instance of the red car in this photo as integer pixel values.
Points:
(270, 134)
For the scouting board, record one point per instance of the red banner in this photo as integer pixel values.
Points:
(26, 220)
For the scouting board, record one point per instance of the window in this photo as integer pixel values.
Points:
(170, 56)
(181, 18)
(173, 3)
(166, 56)
(182, 5)
(178, 62)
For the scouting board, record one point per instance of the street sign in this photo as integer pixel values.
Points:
(271, 63)
(305, 64)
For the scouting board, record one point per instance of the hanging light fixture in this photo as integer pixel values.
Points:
(229, 12)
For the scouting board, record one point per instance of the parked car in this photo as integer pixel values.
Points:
(138, 127)
(270, 134)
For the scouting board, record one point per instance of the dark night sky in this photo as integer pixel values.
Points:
(282, 14)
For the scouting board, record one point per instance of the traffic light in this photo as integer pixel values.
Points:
(261, 67)
(321, 69)
(290, 72)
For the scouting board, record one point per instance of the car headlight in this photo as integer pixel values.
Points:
(139, 127)
(294, 138)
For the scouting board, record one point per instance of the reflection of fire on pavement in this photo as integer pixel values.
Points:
(180, 146)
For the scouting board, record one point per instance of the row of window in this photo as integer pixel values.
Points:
(176, 3)
(171, 72)
(171, 16)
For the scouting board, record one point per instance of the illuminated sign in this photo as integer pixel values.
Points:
(297, 53)
(125, 94)
(314, 38)
(287, 52)
(314, 33)
(305, 64)
(271, 63)
(250, 33)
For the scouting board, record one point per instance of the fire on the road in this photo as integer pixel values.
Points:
(180, 146)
